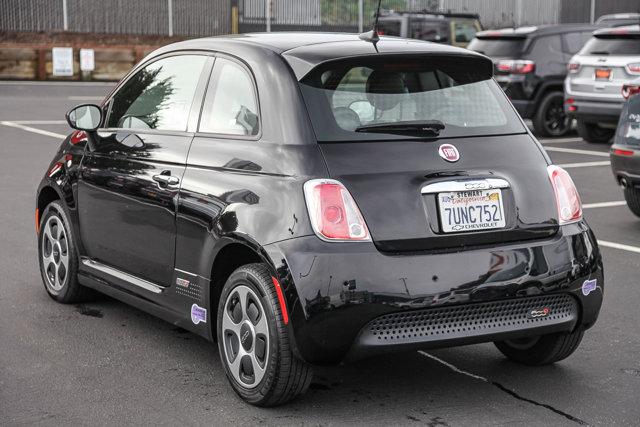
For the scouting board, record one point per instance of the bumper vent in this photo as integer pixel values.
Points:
(473, 320)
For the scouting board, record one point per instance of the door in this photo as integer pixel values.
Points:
(129, 184)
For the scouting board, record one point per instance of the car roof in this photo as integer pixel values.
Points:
(618, 16)
(305, 50)
(537, 30)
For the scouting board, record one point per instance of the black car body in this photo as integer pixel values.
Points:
(346, 219)
(531, 65)
(456, 29)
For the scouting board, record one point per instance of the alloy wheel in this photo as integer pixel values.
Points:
(55, 254)
(555, 119)
(245, 334)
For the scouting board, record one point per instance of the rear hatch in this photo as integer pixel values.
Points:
(431, 151)
(606, 62)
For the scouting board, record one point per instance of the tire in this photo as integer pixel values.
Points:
(550, 119)
(254, 343)
(632, 196)
(542, 350)
(58, 257)
(593, 133)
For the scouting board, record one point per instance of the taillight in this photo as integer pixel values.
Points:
(634, 68)
(516, 66)
(573, 67)
(333, 212)
(621, 152)
(629, 90)
(567, 197)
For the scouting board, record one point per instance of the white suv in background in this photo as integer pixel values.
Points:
(593, 87)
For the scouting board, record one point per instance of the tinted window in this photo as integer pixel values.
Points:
(501, 47)
(546, 48)
(464, 31)
(346, 99)
(159, 96)
(628, 45)
(230, 105)
(389, 27)
(574, 41)
(429, 30)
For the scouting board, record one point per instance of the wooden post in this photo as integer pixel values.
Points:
(234, 17)
(42, 64)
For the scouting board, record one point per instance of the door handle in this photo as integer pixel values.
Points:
(166, 179)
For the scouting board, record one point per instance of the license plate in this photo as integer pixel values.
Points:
(471, 210)
(603, 74)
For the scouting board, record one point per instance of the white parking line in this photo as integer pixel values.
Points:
(50, 83)
(604, 204)
(33, 130)
(584, 164)
(85, 98)
(577, 151)
(559, 140)
(620, 246)
(39, 122)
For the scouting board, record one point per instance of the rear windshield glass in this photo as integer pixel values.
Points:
(627, 45)
(389, 27)
(433, 97)
(495, 46)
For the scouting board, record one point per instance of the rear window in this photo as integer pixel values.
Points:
(389, 27)
(435, 97)
(497, 46)
(612, 45)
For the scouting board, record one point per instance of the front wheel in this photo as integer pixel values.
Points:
(541, 350)
(59, 257)
(254, 343)
(593, 133)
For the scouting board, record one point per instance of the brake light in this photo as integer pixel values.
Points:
(333, 212)
(634, 68)
(573, 67)
(620, 152)
(629, 90)
(516, 66)
(567, 197)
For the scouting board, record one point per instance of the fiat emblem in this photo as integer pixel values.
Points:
(449, 153)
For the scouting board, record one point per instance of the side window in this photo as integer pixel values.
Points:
(546, 46)
(159, 96)
(574, 41)
(230, 106)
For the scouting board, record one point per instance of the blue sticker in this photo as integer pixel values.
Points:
(588, 286)
(198, 314)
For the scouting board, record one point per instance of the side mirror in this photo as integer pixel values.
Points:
(85, 117)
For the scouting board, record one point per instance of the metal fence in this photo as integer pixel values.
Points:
(212, 17)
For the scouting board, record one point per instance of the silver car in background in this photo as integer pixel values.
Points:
(593, 87)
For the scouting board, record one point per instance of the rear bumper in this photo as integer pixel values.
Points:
(595, 110)
(337, 291)
(626, 167)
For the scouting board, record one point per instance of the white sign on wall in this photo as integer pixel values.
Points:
(87, 60)
(62, 58)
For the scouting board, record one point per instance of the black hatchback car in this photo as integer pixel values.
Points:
(308, 199)
(531, 65)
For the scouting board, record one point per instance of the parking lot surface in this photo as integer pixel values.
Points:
(107, 363)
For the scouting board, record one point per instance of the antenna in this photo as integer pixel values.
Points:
(372, 36)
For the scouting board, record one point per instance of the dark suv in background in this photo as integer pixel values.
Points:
(530, 65)
(456, 29)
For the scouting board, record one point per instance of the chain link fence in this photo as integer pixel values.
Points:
(213, 17)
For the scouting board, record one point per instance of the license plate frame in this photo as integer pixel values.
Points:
(472, 210)
(602, 74)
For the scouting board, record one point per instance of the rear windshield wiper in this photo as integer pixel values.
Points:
(431, 127)
(599, 52)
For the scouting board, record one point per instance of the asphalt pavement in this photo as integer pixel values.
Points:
(106, 363)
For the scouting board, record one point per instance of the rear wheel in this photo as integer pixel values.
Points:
(541, 350)
(591, 132)
(253, 340)
(550, 118)
(58, 257)
(632, 196)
